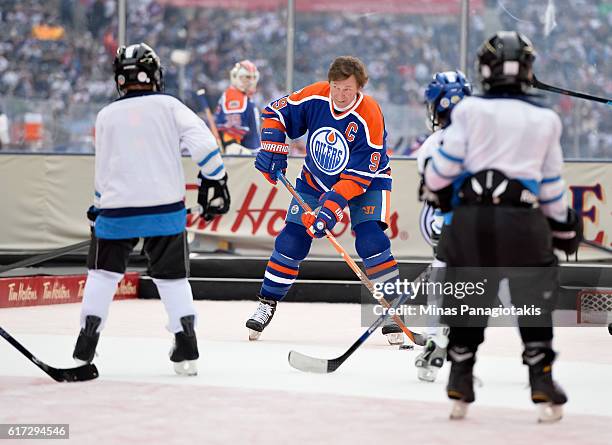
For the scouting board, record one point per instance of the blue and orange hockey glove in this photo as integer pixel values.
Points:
(330, 212)
(272, 157)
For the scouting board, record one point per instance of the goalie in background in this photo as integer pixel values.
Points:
(139, 193)
(236, 115)
(498, 167)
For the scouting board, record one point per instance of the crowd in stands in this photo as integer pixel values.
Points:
(60, 52)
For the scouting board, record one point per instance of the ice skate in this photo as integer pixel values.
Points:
(394, 334)
(184, 353)
(430, 361)
(261, 317)
(548, 396)
(85, 348)
(460, 386)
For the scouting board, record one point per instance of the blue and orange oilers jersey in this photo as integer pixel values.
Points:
(348, 145)
(237, 119)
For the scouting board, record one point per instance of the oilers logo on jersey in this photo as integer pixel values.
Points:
(329, 150)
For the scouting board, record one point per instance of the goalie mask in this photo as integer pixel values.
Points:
(505, 61)
(244, 76)
(137, 65)
(442, 94)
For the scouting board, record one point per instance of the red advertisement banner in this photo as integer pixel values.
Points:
(42, 290)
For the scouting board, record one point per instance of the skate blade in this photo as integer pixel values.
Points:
(395, 338)
(254, 335)
(186, 367)
(427, 374)
(549, 413)
(458, 410)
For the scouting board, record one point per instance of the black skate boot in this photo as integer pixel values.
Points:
(184, 352)
(545, 392)
(85, 348)
(261, 318)
(460, 386)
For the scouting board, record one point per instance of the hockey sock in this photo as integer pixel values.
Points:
(374, 247)
(98, 294)
(291, 247)
(178, 301)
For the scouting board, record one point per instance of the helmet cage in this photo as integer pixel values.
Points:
(244, 76)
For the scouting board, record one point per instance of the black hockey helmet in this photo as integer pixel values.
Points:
(137, 65)
(505, 61)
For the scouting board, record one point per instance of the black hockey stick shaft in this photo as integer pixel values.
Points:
(415, 337)
(335, 363)
(37, 259)
(597, 246)
(325, 366)
(543, 86)
(78, 374)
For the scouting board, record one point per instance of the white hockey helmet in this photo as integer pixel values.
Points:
(244, 76)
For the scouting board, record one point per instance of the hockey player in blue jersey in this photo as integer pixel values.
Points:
(236, 115)
(445, 90)
(346, 165)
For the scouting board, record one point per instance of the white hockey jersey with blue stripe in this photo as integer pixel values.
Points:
(139, 177)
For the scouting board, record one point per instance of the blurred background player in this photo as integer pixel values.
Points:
(346, 164)
(499, 167)
(199, 104)
(139, 193)
(4, 129)
(236, 115)
(441, 95)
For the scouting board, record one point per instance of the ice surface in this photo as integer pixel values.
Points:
(247, 393)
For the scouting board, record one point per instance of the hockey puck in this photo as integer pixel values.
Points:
(406, 347)
(610, 328)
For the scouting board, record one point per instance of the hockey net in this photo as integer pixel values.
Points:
(594, 306)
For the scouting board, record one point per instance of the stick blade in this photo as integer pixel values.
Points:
(78, 374)
(305, 363)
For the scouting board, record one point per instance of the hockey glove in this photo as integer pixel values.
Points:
(439, 199)
(219, 203)
(271, 158)
(92, 214)
(329, 213)
(567, 235)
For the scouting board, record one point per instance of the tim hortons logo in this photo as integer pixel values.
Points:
(54, 290)
(267, 218)
(23, 293)
(126, 287)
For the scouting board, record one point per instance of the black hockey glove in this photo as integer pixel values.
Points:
(439, 199)
(567, 235)
(219, 203)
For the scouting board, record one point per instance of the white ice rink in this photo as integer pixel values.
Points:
(246, 393)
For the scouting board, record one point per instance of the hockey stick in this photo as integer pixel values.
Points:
(306, 363)
(415, 337)
(36, 259)
(78, 374)
(597, 246)
(542, 86)
(44, 256)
